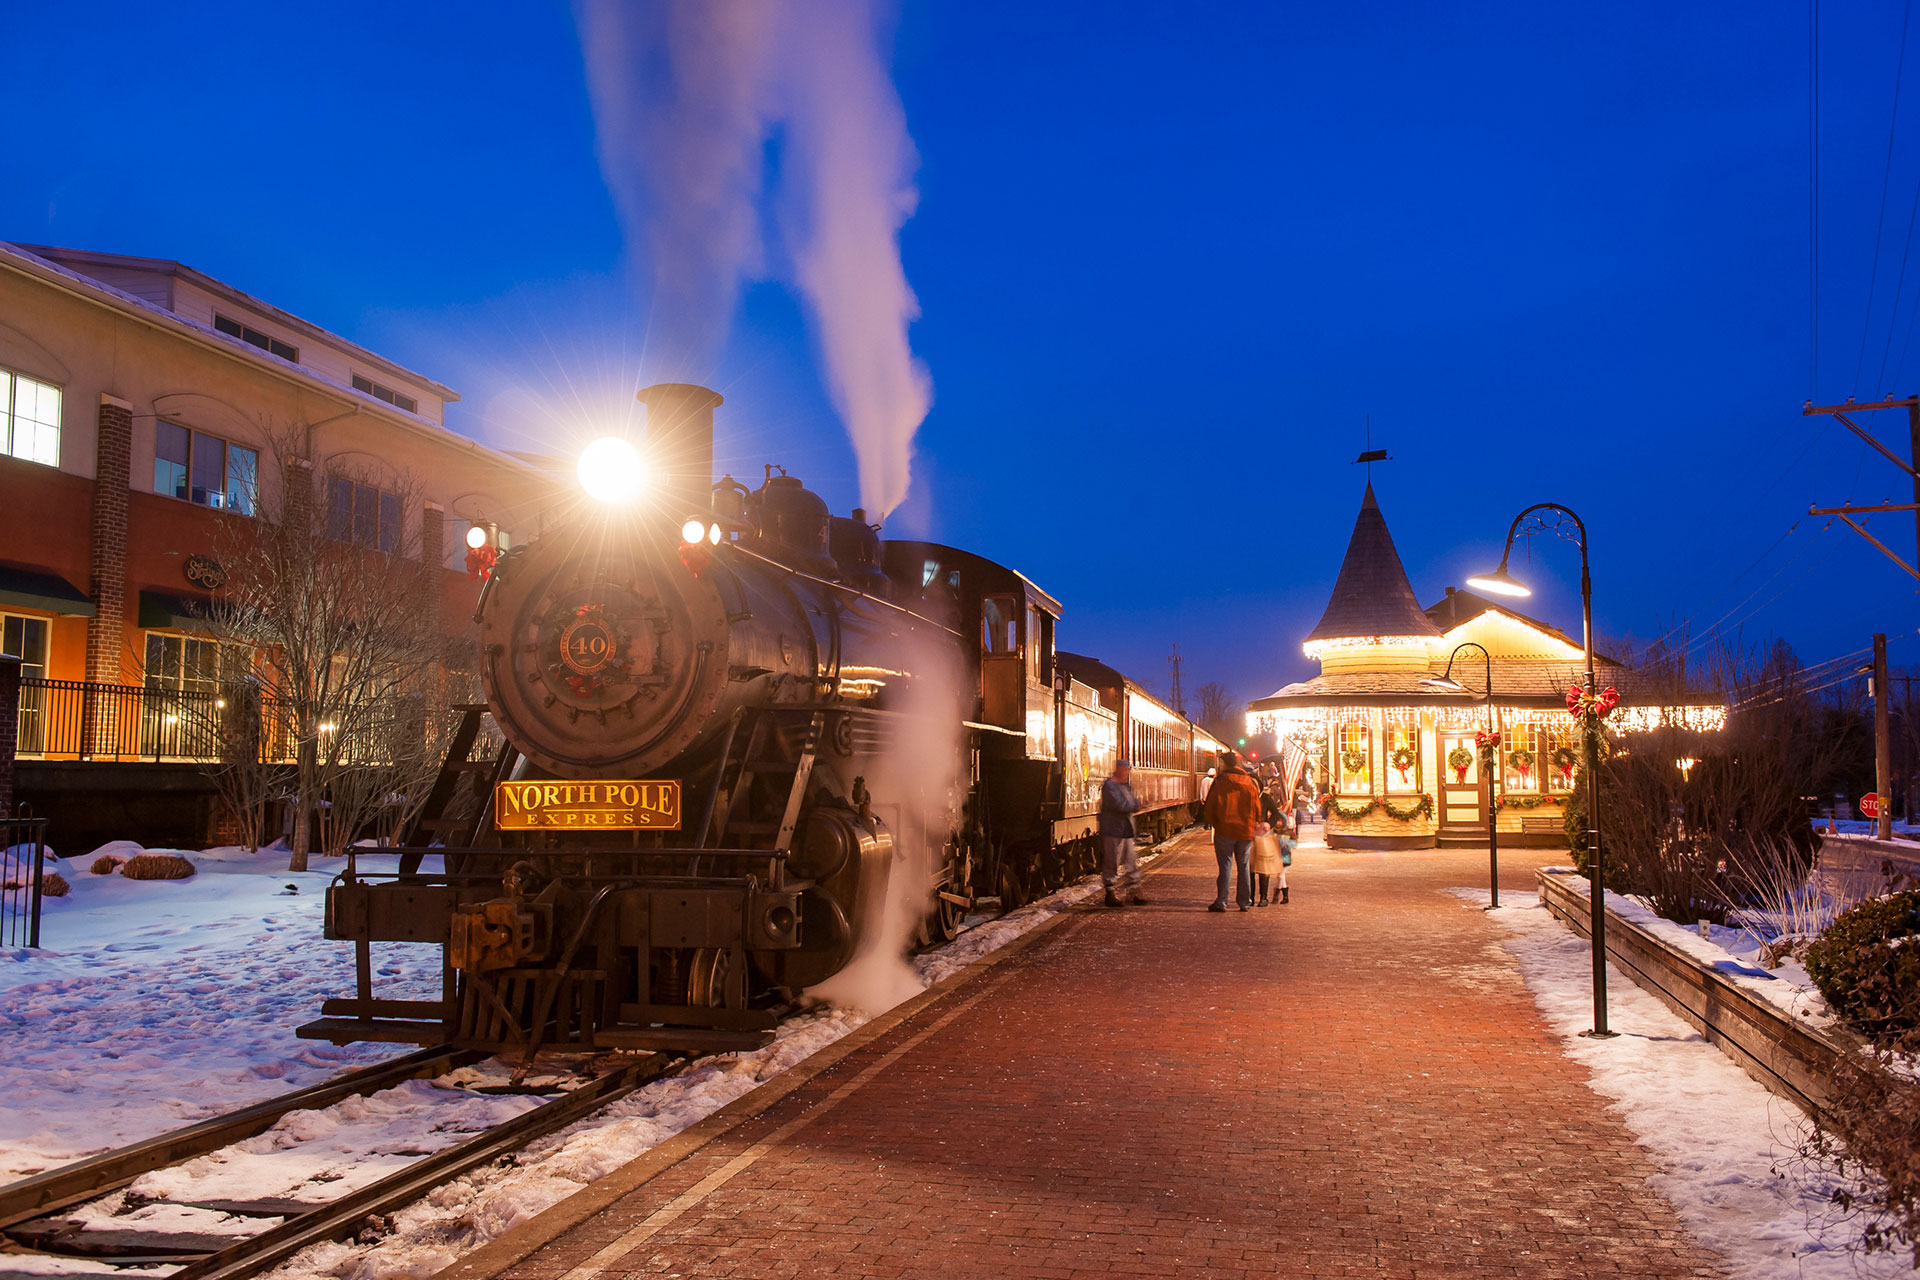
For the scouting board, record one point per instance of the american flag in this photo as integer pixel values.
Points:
(1293, 762)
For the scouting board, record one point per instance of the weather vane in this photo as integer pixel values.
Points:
(1371, 455)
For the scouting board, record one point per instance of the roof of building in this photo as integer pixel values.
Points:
(1517, 682)
(1461, 606)
(1372, 596)
(28, 263)
(78, 260)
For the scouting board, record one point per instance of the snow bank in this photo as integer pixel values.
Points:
(1722, 1143)
(156, 1003)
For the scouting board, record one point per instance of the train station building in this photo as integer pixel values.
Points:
(1396, 750)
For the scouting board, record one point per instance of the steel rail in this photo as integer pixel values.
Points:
(95, 1176)
(346, 1216)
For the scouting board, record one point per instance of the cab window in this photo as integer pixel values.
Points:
(1000, 625)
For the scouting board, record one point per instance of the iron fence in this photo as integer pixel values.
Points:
(23, 859)
(90, 720)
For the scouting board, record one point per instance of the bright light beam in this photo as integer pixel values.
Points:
(611, 470)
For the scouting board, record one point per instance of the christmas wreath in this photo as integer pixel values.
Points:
(1522, 761)
(1353, 761)
(1564, 759)
(1459, 760)
(1402, 759)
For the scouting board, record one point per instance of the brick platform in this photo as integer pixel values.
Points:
(1356, 1084)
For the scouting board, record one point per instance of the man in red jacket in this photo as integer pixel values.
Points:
(1233, 811)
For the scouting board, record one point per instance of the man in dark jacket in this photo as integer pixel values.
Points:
(1233, 811)
(1119, 864)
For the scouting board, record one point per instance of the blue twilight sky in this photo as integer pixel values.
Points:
(1168, 265)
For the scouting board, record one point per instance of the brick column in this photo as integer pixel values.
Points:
(113, 456)
(9, 728)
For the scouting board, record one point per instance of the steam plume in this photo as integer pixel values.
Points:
(687, 95)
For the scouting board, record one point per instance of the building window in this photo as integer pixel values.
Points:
(1520, 770)
(29, 418)
(196, 467)
(1403, 751)
(252, 336)
(26, 639)
(388, 394)
(363, 514)
(1563, 754)
(1353, 762)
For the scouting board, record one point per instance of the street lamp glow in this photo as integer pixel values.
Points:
(1446, 684)
(611, 470)
(477, 537)
(1500, 582)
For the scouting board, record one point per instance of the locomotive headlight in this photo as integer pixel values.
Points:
(477, 537)
(692, 532)
(612, 470)
(713, 534)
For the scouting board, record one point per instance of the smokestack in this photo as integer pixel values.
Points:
(680, 445)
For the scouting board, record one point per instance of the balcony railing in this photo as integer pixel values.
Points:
(85, 720)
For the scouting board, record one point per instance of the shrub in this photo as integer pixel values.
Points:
(106, 864)
(54, 885)
(157, 866)
(1867, 965)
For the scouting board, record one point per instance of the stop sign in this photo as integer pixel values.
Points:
(1870, 805)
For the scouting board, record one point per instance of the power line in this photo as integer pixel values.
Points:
(1729, 584)
(1813, 197)
(1879, 226)
(1720, 624)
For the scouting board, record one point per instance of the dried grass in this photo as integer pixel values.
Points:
(157, 866)
(106, 864)
(54, 885)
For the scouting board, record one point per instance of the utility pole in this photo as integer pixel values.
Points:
(1176, 695)
(1840, 411)
(1882, 741)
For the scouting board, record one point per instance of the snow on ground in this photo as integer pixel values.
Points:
(466, 1213)
(155, 1003)
(1722, 1143)
(1865, 827)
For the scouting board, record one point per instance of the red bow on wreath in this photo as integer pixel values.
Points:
(1483, 739)
(480, 562)
(1599, 704)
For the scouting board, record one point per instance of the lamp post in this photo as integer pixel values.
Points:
(1501, 583)
(1448, 683)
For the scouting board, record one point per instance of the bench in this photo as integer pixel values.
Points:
(1553, 826)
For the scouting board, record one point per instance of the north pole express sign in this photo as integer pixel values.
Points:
(586, 806)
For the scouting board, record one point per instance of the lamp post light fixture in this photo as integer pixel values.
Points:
(1450, 685)
(1500, 582)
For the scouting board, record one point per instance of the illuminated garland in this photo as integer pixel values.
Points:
(1355, 809)
(1524, 802)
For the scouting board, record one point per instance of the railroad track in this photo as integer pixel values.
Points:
(33, 1211)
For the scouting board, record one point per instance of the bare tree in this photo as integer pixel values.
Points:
(1220, 715)
(326, 590)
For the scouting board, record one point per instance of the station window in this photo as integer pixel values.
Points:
(362, 513)
(253, 337)
(999, 625)
(196, 467)
(1520, 769)
(1562, 754)
(1354, 760)
(388, 394)
(1402, 764)
(29, 418)
(26, 639)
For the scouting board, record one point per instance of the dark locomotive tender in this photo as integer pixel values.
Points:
(829, 706)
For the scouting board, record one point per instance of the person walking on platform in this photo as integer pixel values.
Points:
(1272, 849)
(1232, 811)
(1119, 863)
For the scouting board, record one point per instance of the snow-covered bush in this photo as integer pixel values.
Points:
(54, 885)
(106, 864)
(1867, 965)
(157, 866)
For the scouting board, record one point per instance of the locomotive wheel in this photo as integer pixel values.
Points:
(956, 878)
(707, 978)
(1013, 885)
(1053, 868)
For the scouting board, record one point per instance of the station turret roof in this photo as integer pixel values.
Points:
(1372, 596)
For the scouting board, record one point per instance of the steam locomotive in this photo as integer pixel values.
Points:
(716, 737)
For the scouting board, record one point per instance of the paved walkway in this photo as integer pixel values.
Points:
(1356, 1084)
